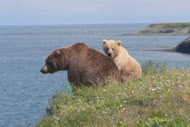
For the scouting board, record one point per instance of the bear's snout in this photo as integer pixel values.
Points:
(44, 70)
(109, 54)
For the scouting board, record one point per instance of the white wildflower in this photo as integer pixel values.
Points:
(125, 88)
(124, 109)
(55, 117)
(99, 116)
(168, 81)
(104, 112)
(154, 89)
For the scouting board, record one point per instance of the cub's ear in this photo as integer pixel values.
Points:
(57, 53)
(104, 41)
(119, 43)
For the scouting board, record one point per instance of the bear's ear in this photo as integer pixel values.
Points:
(104, 41)
(119, 43)
(57, 53)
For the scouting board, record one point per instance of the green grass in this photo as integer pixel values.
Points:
(160, 98)
(172, 25)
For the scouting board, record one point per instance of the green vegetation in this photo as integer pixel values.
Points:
(172, 25)
(161, 98)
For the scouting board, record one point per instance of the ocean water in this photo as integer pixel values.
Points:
(25, 92)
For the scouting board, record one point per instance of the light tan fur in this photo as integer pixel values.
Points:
(128, 67)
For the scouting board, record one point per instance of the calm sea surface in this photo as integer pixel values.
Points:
(25, 92)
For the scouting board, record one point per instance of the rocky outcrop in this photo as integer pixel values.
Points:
(164, 29)
(183, 46)
(161, 29)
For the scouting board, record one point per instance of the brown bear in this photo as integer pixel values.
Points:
(128, 67)
(85, 65)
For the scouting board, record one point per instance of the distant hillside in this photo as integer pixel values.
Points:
(171, 25)
(164, 29)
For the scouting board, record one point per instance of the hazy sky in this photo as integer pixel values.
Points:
(43, 12)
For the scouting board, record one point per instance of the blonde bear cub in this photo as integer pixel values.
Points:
(128, 67)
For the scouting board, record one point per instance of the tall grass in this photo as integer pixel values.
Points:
(160, 98)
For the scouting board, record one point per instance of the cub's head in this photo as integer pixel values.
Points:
(111, 47)
(56, 61)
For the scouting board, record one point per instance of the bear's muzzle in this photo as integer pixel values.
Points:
(44, 70)
(109, 53)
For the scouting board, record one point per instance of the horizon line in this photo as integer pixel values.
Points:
(84, 24)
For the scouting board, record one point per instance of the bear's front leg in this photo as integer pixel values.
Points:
(74, 77)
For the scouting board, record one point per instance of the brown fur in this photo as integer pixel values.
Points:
(84, 64)
(128, 67)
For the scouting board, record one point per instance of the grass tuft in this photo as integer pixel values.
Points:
(160, 98)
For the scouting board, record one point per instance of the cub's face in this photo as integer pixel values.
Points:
(53, 62)
(111, 47)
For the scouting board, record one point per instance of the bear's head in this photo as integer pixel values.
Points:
(56, 61)
(111, 47)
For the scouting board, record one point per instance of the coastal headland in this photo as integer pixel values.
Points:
(163, 29)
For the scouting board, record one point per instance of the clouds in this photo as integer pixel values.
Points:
(88, 11)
